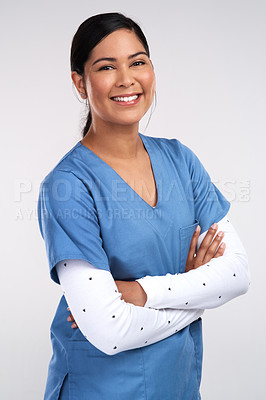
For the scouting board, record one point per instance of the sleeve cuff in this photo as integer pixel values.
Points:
(147, 285)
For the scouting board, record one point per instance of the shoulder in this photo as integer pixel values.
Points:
(173, 147)
(67, 168)
(163, 142)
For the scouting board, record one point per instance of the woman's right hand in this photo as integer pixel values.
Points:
(209, 248)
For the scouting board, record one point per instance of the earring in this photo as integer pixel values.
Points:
(83, 95)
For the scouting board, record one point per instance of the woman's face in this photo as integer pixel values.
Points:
(120, 80)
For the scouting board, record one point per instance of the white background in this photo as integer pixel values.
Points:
(209, 58)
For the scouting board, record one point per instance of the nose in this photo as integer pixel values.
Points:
(125, 78)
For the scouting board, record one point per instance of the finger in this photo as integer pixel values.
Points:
(213, 247)
(70, 318)
(74, 325)
(220, 250)
(206, 243)
(192, 247)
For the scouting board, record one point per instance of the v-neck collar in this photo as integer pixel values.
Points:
(154, 164)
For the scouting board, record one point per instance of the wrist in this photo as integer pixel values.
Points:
(142, 295)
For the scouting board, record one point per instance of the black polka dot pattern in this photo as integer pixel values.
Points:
(167, 288)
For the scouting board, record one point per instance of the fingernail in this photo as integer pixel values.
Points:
(68, 309)
(198, 228)
(214, 226)
(74, 325)
(220, 234)
(68, 318)
(222, 245)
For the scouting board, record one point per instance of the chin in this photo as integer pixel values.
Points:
(133, 119)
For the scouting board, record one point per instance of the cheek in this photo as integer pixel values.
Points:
(98, 89)
(148, 82)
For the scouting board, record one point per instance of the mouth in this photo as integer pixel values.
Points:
(127, 99)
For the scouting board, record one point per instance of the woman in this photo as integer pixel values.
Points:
(130, 227)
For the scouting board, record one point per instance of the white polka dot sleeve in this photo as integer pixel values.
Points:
(208, 286)
(109, 323)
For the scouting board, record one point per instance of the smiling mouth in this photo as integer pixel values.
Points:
(126, 99)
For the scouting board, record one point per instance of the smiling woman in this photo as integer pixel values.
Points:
(103, 71)
(121, 215)
(119, 85)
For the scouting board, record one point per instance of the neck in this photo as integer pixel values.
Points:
(114, 142)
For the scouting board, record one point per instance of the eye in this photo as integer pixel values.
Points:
(137, 63)
(106, 68)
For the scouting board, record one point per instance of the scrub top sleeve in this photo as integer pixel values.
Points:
(210, 205)
(68, 222)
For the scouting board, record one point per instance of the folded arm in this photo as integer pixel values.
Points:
(109, 323)
(210, 285)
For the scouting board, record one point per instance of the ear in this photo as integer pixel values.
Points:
(78, 82)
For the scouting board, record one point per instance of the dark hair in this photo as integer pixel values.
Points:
(90, 33)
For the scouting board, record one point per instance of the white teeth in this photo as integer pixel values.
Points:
(131, 98)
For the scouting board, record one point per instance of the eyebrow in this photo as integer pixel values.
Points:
(112, 59)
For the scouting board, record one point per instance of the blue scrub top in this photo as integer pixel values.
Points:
(87, 211)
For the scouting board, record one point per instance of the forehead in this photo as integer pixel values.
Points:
(119, 43)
